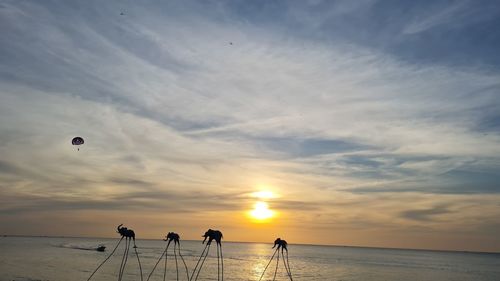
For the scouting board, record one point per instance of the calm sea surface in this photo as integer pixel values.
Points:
(63, 259)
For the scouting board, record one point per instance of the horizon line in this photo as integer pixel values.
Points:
(255, 242)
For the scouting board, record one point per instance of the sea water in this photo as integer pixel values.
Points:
(66, 259)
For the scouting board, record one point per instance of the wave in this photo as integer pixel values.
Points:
(79, 247)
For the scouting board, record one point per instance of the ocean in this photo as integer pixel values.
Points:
(68, 259)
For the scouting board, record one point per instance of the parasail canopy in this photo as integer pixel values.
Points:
(77, 141)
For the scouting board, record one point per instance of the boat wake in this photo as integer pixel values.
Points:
(99, 248)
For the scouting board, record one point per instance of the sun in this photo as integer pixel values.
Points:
(261, 212)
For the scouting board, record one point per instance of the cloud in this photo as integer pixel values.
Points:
(442, 16)
(425, 215)
(7, 168)
(177, 120)
(14, 203)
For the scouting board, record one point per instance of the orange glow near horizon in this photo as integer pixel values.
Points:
(261, 212)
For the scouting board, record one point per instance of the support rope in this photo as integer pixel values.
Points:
(284, 263)
(201, 256)
(218, 264)
(123, 259)
(125, 254)
(166, 257)
(157, 262)
(288, 264)
(277, 263)
(116, 247)
(201, 265)
(176, 265)
(179, 249)
(270, 260)
(138, 260)
(222, 262)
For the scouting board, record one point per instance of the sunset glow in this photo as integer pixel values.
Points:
(261, 211)
(264, 194)
(366, 123)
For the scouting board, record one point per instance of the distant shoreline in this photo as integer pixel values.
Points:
(251, 242)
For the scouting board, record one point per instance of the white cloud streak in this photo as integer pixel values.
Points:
(166, 103)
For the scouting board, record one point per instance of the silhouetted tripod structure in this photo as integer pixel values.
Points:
(282, 244)
(129, 235)
(171, 236)
(211, 235)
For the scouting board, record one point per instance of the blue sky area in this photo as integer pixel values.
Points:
(374, 122)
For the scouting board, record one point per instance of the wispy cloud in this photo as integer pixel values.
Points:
(177, 120)
(444, 15)
(426, 214)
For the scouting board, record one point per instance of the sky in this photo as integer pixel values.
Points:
(366, 123)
